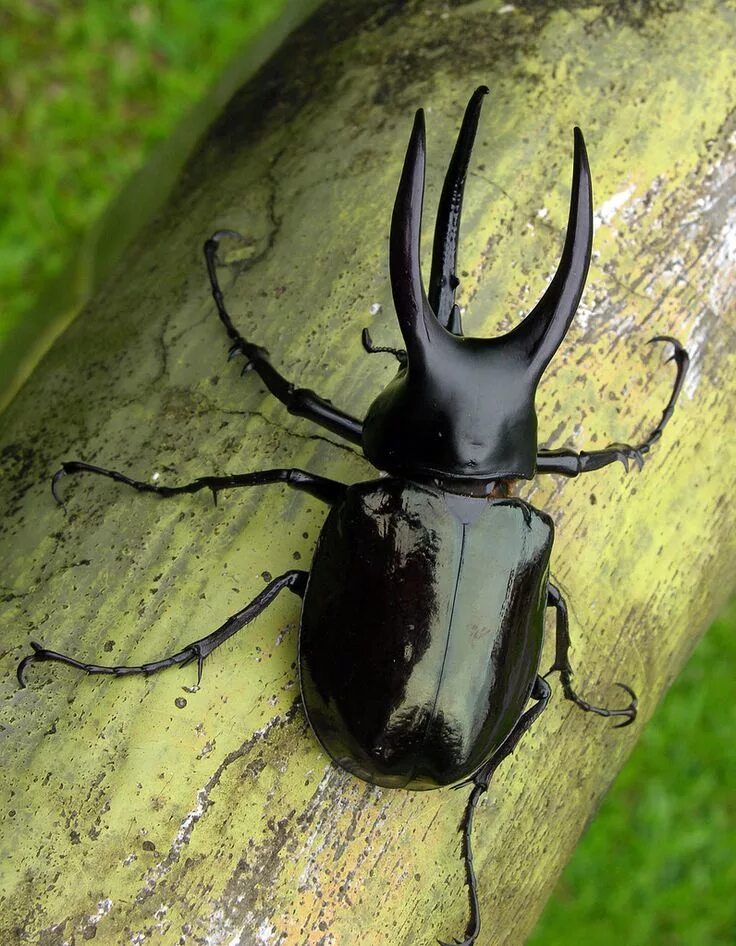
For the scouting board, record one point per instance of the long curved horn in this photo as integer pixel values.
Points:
(443, 280)
(542, 331)
(412, 308)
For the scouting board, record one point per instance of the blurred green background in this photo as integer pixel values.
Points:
(88, 91)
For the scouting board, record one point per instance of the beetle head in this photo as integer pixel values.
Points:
(460, 407)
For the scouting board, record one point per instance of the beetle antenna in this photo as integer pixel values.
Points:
(443, 280)
(398, 353)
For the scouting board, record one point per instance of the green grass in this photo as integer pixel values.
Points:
(88, 90)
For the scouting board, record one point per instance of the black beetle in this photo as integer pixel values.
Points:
(422, 618)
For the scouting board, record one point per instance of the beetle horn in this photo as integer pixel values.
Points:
(542, 331)
(443, 280)
(416, 318)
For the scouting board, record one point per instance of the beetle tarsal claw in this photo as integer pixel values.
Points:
(627, 688)
(212, 243)
(631, 710)
(630, 718)
(251, 353)
(60, 473)
(625, 452)
(679, 354)
(20, 672)
(219, 234)
(29, 659)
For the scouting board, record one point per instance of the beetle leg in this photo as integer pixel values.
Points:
(562, 665)
(570, 463)
(541, 693)
(473, 928)
(324, 489)
(294, 580)
(299, 401)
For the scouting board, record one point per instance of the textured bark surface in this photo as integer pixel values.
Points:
(138, 812)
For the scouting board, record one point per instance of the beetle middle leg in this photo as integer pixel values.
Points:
(540, 693)
(562, 665)
(295, 580)
(570, 463)
(299, 401)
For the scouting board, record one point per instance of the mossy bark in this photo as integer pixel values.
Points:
(136, 812)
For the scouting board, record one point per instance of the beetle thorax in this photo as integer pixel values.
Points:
(465, 409)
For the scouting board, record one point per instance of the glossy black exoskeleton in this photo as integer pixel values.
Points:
(423, 613)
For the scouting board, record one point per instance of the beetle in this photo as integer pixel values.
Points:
(423, 613)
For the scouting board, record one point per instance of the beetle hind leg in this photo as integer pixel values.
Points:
(295, 580)
(473, 928)
(540, 693)
(562, 666)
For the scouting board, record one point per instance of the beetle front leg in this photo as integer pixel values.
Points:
(294, 580)
(327, 490)
(570, 463)
(562, 665)
(299, 401)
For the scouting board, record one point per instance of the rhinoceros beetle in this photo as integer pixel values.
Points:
(423, 612)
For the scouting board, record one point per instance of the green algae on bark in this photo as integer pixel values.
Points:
(138, 812)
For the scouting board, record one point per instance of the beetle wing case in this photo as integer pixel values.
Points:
(422, 630)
